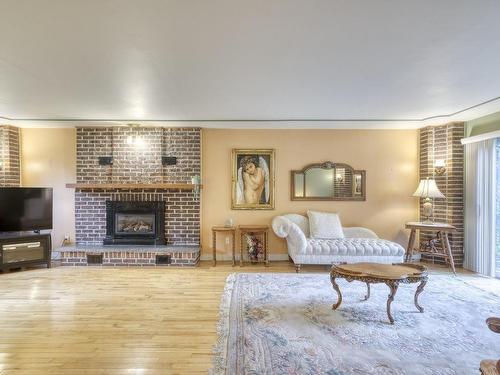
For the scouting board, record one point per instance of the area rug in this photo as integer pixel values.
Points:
(284, 324)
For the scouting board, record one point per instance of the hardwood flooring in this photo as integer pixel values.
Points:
(90, 320)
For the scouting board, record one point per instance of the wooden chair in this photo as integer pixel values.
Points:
(491, 366)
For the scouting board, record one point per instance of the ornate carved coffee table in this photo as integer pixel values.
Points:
(390, 274)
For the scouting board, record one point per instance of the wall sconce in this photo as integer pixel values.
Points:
(339, 178)
(440, 166)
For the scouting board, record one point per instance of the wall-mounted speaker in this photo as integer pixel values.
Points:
(169, 160)
(105, 160)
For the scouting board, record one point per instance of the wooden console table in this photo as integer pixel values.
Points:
(232, 231)
(254, 230)
(442, 230)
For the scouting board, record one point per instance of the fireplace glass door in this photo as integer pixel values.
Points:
(134, 223)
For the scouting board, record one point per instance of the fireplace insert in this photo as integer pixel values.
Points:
(135, 223)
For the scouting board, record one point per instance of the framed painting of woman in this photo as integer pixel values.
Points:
(252, 179)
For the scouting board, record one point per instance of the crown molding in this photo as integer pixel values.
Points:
(472, 112)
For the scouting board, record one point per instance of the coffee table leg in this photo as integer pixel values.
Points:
(393, 286)
(367, 291)
(420, 289)
(337, 289)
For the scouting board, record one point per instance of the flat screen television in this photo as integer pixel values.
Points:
(25, 209)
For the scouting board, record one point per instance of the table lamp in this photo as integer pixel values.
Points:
(428, 189)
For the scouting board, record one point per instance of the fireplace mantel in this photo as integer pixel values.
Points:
(131, 186)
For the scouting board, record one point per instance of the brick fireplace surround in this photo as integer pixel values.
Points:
(137, 158)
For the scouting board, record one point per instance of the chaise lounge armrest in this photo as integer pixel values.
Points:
(285, 228)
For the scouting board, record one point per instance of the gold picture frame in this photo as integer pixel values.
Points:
(252, 181)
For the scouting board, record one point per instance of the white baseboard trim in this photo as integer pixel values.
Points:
(228, 257)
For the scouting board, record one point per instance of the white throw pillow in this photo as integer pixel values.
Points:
(325, 225)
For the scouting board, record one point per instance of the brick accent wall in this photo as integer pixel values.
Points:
(141, 163)
(10, 168)
(443, 142)
(185, 144)
(138, 164)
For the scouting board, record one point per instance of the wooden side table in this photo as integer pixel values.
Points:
(254, 230)
(442, 230)
(232, 231)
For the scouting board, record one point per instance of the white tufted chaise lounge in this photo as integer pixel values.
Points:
(359, 244)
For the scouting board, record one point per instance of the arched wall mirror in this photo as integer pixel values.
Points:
(329, 182)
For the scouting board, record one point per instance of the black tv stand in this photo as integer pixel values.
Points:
(24, 250)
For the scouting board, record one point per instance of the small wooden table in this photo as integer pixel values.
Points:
(390, 274)
(232, 231)
(254, 230)
(442, 230)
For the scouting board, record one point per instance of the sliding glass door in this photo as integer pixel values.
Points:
(482, 206)
(497, 213)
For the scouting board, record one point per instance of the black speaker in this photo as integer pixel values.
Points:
(105, 160)
(169, 160)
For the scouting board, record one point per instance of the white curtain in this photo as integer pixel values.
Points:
(480, 186)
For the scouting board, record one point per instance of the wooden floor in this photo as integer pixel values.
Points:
(88, 320)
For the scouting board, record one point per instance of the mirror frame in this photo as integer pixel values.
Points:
(328, 165)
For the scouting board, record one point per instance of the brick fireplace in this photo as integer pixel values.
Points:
(182, 213)
(172, 213)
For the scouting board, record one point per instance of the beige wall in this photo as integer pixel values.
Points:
(390, 158)
(48, 159)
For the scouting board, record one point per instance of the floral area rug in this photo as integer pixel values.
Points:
(284, 324)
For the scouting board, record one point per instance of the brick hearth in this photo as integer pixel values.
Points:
(117, 256)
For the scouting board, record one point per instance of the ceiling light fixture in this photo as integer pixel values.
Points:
(135, 140)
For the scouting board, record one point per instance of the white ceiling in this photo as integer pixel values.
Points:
(399, 60)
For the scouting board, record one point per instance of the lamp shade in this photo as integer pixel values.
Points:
(428, 189)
